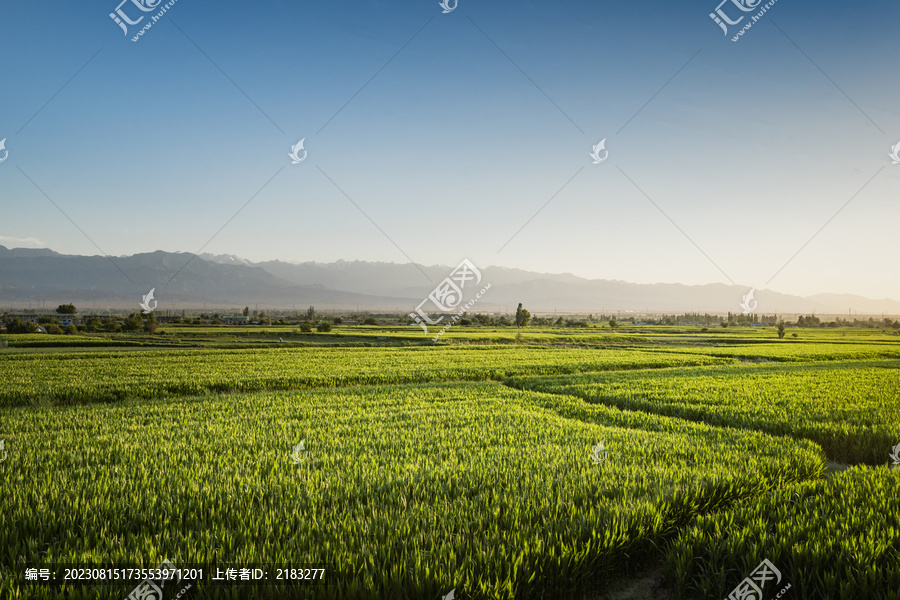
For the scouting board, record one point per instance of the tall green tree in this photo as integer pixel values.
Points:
(523, 317)
(66, 309)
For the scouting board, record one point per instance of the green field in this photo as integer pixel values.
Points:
(589, 465)
(851, 409)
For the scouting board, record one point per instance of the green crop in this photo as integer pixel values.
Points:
(793, 351)
(852, 410)
(830, 539)
(102, 377)
(405, 491)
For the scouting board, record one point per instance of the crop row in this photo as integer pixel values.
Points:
(828, 539)
(851, 410)
(794, 351)
(101, 377)
(403, 491)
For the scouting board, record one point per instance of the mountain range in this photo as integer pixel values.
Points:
(42, 277)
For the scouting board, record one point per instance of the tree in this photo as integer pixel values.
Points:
(94, 324)
(17, 325)
(305, 328)
(781, 330)
(523, 317)
(151, 324)
(311, 314)
(484, 319)
(613, 323)
(133, 322)
(66, 309)
(370, 321)
(246, 311)
(812, 321)
(324, 327)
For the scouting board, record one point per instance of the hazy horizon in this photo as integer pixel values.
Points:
(435, 137)
(222, 282)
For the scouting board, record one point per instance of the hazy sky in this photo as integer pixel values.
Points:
(451, 131)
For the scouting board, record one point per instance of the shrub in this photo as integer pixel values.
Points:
(305, 328)
(324, 326)
(370, 321)
(17, 325)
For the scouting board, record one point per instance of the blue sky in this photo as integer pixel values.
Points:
(725, 159)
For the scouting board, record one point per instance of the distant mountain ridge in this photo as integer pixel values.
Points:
(224, 282)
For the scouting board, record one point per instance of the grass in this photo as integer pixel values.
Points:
(112, 376)
(461, 465)
(851, 410)
(831, 539)
(405, 491)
